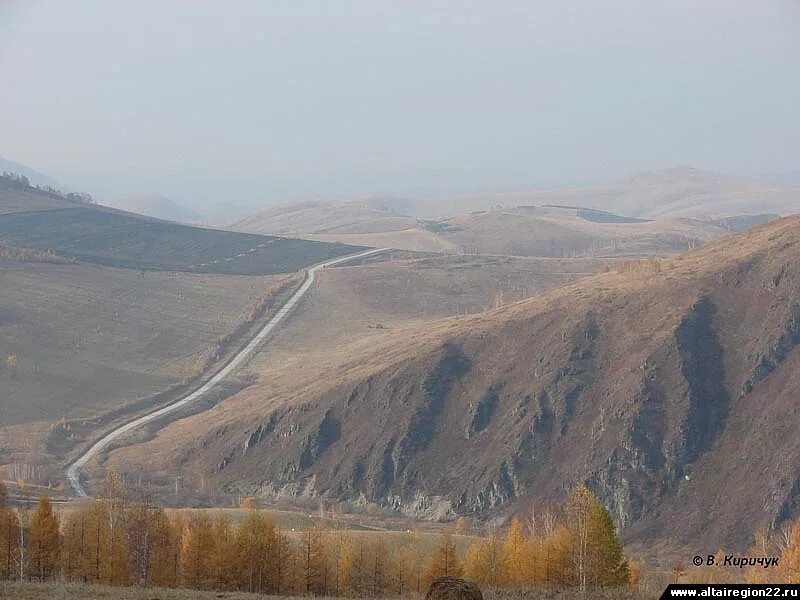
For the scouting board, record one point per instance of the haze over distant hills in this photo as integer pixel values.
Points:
(650, 213)
(668, 193)
(156, 205)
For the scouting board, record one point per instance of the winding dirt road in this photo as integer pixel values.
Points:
(73, 472)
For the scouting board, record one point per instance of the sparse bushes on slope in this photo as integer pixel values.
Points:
(33, 255)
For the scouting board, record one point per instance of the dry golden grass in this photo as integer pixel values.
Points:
(416, 239)
(334, 336)
(56, 591)
(89, 338)
(71, 591)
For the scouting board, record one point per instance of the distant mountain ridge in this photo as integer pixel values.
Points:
(654, 212)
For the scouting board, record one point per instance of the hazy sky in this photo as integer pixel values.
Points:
(257, 102)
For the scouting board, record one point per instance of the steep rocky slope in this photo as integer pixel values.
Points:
(670, 387)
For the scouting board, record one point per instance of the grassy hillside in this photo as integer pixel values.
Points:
(568, 232)
(320, 217)
(667, 194)
(527, 230)
(659, 383)
(662, 212)
(87, 338)
(15, 197)
(34, 218)
(122, 240)
(102, 309)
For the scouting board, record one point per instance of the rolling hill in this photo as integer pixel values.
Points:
(563, 231)
(89, 338)
(660, 383)
(326, 217)
(526, 230)
(33, 218)
(662, 212)
(103, 311)
(667, 194)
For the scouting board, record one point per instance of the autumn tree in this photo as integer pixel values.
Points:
(597, 554)
(555, 558)
(444, 562)
(609, 566)
(636, 569)
(172, 564)
(339, 556)
(74, 559)
(224, 558)
(139, 542)
(404, 570)
(150, 543)
(355, 566)
(95, 544)
(485, 562)
(251, 542)
(516, 571)
(23, 518)
(788, 570)
(678, 570)
(9, 538)
(197, 552)
(313, 565)
(87, 544)
(44, 541)
(379, 567)
(114, 496)
(263, 555)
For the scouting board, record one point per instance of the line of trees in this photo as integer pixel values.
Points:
(21, 181)
(572, 545)
(116, 541)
